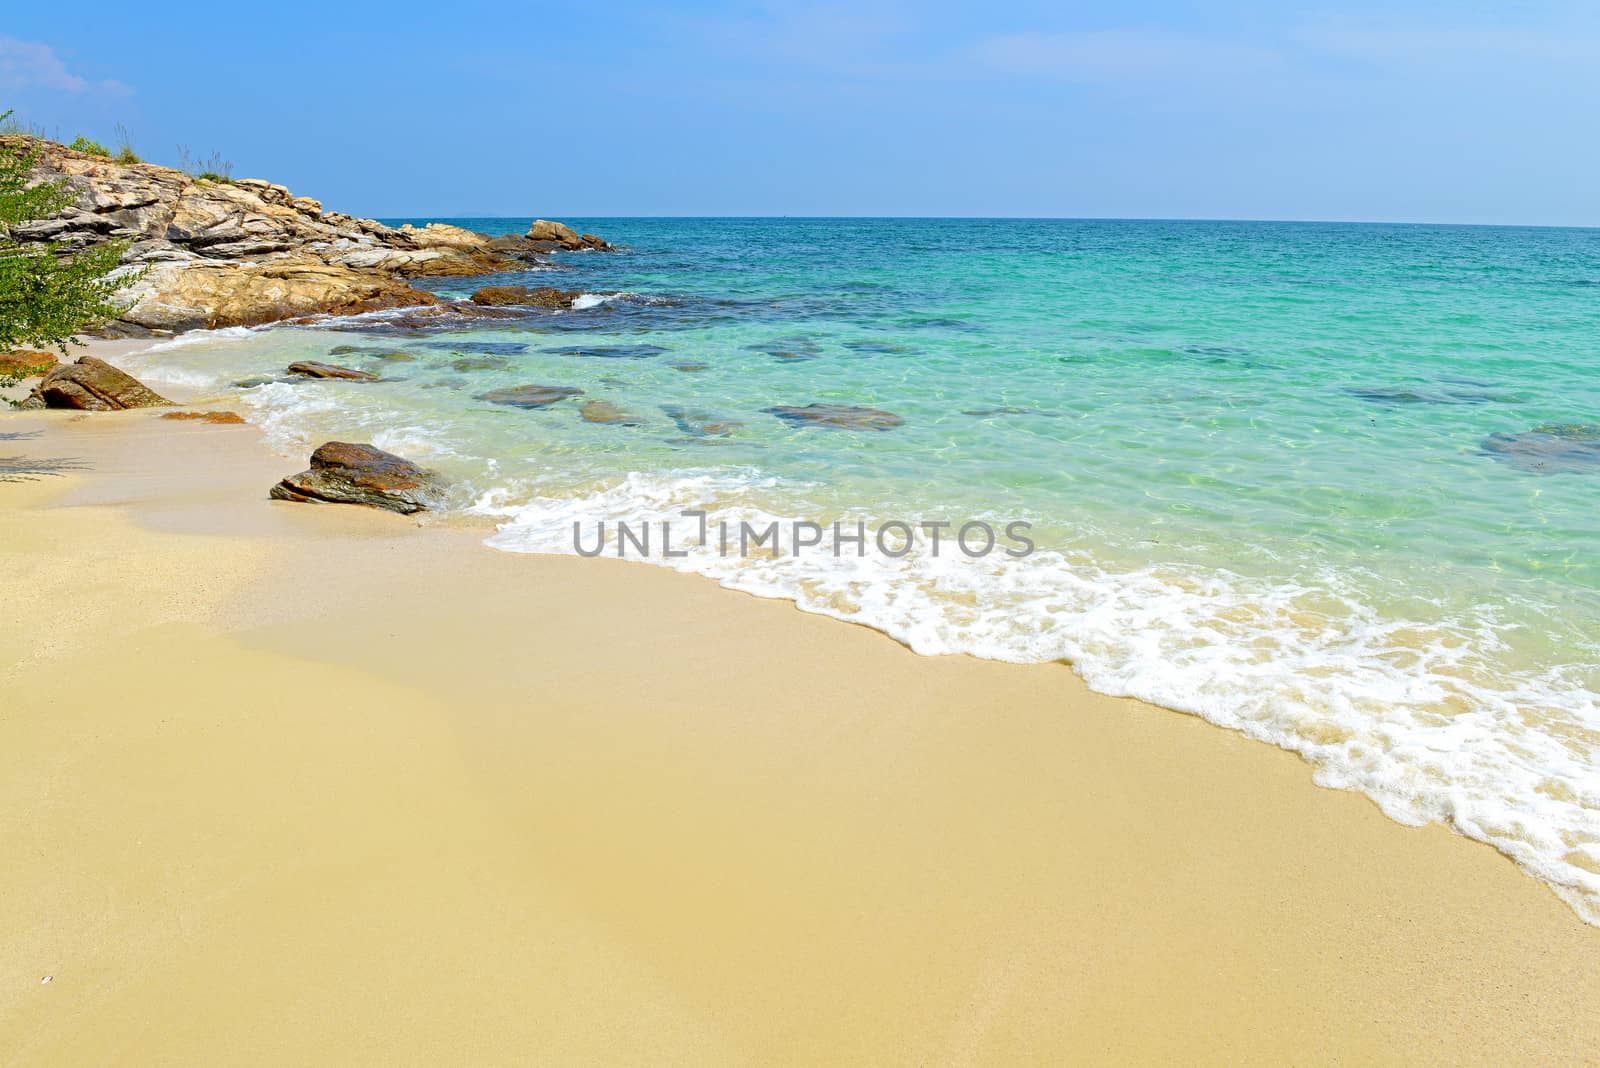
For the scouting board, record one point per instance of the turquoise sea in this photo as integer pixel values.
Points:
(1334, 486)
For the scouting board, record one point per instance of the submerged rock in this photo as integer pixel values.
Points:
(600, 411)
(1549, 449)
(689, 367)
(788, 349)
(92, 385)
(314, 369)
(219, 418)
(492, 348)
(700, 424)
(468, 364)
(837, 416)
(608, 352)
(530, 396)
(344, 473)
(526, 296)
(1010, 409)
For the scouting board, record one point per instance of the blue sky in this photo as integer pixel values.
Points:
(1409, 110)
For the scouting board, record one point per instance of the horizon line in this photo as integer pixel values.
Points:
(1021, 218)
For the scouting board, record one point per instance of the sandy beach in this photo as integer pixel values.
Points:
(294, 784)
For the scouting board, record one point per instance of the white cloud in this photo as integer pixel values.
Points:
(35, 65)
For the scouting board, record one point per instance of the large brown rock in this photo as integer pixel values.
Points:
(92, 385)
(535, 296)
(345, 473)
(207, 295)
(555, 233)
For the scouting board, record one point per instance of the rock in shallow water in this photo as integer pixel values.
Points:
(530, 396)
(1550, 448)
(534, 296)
(345, 473)
(313, 369)
(836, 416)
(92, 385)
(219, 418)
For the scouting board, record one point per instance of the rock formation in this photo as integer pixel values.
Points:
(92, 385)
(549, 236)
(344, 473)
(240, 253)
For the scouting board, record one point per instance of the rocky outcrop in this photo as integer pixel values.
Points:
(221, 253)
(317, 369)
(548, 236)
(837, 416)
(535, 297)
(206, 295)
(345, 473)
(92, 385)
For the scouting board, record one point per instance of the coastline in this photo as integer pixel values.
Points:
(483, 803)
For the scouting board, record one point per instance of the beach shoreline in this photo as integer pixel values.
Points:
(296, 782)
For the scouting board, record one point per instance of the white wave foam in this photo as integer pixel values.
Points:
(203, 337)
(1420, 716)
(585, 301)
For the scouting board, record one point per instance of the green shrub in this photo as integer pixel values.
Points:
(48, 294)
(94, 148)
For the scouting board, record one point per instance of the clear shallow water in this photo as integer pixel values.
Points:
(1284, 476)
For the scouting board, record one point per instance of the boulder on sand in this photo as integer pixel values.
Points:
(92, 385)
(345, 473)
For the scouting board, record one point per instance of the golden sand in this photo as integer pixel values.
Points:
(292, 784)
